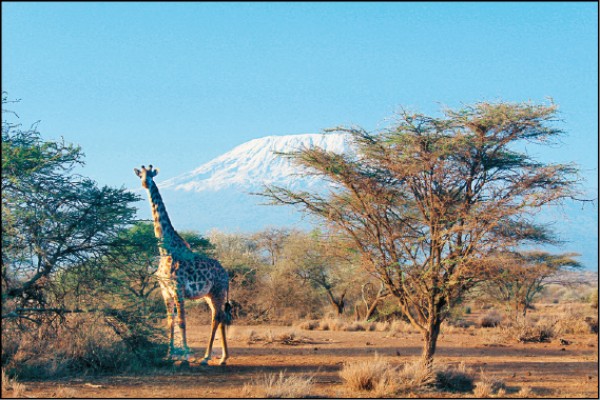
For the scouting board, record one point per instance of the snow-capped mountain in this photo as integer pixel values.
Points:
(256, 162)
(218, 194)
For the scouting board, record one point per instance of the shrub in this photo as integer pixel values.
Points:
(572, 321)
(309, 325)
(370, 375)
(593, 324)
(454, 379)
(414, 376)
(355, 326)
(542, 331)
(490, 319)
(82, 343)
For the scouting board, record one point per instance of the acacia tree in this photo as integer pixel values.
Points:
(324, 262)
(428, 199)
(518, 277)
(272, 241)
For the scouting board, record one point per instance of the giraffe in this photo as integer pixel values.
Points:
(183, 274)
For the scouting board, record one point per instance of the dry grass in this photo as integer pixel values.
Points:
(488, 387)
(5, 379)
(414, 376)
(379, 379)
(17, 389)
(401, 327)
(63, 392)
(371, 375)
(282, 386)
(524, 393)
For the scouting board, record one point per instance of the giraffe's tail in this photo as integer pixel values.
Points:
(227, 315)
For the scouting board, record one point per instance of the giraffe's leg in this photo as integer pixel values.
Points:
(181, 323)
(170, 305)
(213, 330)
(224, 343)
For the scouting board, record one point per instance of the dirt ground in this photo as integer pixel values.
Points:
(547, 369)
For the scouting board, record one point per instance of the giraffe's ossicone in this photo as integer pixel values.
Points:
(183, 274)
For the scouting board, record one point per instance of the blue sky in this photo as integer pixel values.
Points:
(177, 84)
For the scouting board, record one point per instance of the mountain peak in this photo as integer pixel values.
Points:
(255, 163)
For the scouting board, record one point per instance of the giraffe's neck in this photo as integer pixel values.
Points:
(170, 241)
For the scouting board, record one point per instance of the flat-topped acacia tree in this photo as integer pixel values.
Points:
(427, 200)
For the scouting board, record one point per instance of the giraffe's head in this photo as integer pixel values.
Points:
(146, 175)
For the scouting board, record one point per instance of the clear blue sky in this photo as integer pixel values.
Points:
(177, 84)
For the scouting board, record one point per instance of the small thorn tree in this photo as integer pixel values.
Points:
(427, 200)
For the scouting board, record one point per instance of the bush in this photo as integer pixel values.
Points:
(370, 375)
(80, 344)
(593, 324)
(542, 331)
(309, 325)
(573, 321)
(490, 319)
(454, 379)
(414, 376)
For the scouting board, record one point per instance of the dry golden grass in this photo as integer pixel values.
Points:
(11, 387)
(415, 376)
(371, 375)
(524, 393)
(488, 386)
(276, 386)
(63, 392)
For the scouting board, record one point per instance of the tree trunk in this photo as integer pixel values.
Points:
(371, 310)
(372, 307)
(338, 305)
(430, 342)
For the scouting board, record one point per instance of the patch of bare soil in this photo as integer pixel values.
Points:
(546, 369)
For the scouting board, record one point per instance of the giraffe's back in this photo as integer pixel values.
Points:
(206, 277)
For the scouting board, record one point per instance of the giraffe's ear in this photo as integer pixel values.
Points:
(137, 172)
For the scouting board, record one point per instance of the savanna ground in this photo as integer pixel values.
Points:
(303, 360)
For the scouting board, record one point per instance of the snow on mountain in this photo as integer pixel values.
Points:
(218, 194)
(256, 162)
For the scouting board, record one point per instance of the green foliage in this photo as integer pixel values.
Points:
(52, 219)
